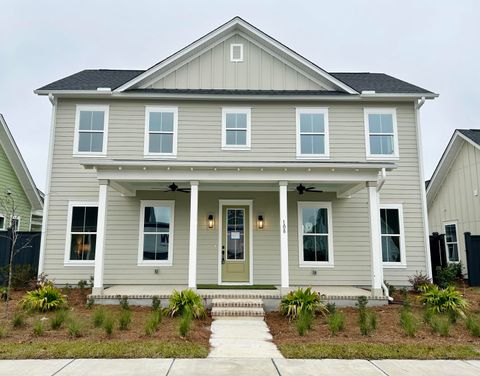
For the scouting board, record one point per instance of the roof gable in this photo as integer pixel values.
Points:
(280, 56)
(18, 164)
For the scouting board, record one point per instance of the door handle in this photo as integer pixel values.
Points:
(223, 254)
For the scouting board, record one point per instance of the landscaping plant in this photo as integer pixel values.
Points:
(186, 300)
(153, 322)
(108, 325)
(185, 323)
(58, 319)
(330, 308)
(448, 300)
(300, 300)
(336, 322)
(18, 320)
(90, 302)
(81, 285)
(367, 319)
(38, 328)
(473, 325)
(124, 303)
(156, 303)
(408, 322)
(3, 332)
(440, 324)
(303, 322)
(3, 294)
(418, 280)
(74, 327)
(99, 317)
(45, 298)
(449, 274)
(125, 319)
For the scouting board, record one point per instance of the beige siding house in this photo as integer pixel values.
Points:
(453, 193)
(235, 161)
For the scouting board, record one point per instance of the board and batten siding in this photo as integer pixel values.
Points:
(259, 70)
(199, 138)
(456, 200)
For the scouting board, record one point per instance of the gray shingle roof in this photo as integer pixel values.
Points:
(472, 134)
(238, 92)
(91, 79)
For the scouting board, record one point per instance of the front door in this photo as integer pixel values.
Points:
(235, 243)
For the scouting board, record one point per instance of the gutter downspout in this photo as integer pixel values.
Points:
(46, 200)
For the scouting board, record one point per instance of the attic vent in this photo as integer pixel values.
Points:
(236, 52)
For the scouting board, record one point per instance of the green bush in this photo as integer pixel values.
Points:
(45, 298)
(3, 293)
(408, 322)
(330, 308)
(300, 300)
(449, 274)
(156, 303)
(18, 320)
(186, 300)
(58, 319)
(473, 325)
(440, 325)
(22, 275)
(108, 325)
(336, 322)
(99, 315)
(75, 328)
(448, 300)
(38, 329)
(81, 285)
(90, 302)
(367, 319)
(3, 332)
(125, 319)
(153, 322)
(185, 323)
(391, 288)
(124, 303)
(419, 280)
(304, 321)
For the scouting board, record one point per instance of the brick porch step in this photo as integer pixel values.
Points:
(236, 302)
(237, 312)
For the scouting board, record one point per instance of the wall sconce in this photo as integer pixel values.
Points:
(260, 222)
(211, 221)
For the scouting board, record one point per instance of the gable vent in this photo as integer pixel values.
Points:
(236, 52)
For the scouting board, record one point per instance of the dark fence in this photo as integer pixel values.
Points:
(472, 245)
(27, 252)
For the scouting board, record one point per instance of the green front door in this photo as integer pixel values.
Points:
(235, 244)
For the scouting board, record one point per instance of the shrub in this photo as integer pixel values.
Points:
(3, 332)
(99, 317)
(440, 325)
(75, 328)
(124, 303)
(300, 300)
(22, 275)
(108, 325)
(152, 323)
(90, 302)
(367, 319)
(336, 322)
(38, 328)
(448, 300)
(3, 293)
(391, 288)
(331, 308)
(419, 280)
(156, 303)
(408, 322)
(186, 300)
(81, 285)
(185, 323)
(449, 274)
(58, 319)
(18, 320)
(473, 325)
(124, 320)
(45, 298)
(304, 321)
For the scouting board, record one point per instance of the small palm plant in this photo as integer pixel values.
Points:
(443, 301)
(186, 300)
(300, 300)
(46, 298)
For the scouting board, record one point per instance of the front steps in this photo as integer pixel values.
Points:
(237, 307)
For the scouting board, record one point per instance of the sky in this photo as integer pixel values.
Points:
(431, 43)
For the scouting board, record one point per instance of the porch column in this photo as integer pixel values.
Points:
(283, 235)
(375, 241)
(100, 245)
(192, 251)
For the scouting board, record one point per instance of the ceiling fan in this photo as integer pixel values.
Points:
(301, 189)
(174, 188)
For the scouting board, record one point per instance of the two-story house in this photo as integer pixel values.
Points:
(235, 161)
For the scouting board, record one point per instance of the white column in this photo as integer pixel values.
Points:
(192, 250)
(375, 241)
(100, 245)
(284, 234)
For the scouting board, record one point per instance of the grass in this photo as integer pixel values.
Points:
(336, 322)
(153, 322)
(378, 351)
(75, 328)
(125, 319)
(185, 323)
(38, 329)
(303, 323)
(408, 322)
(241, 287)
(102, 349)
(58, 319)
(473, 325)
(18, 319)
(440, 325)
(108, 325)
(99, 317)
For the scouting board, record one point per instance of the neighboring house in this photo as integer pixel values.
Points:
(15, 177)
(453, 193)
(283, 173)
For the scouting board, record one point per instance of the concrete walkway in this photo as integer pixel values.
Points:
(242, 337)
(238, 367)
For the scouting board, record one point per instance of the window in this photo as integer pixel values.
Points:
(315, 233)
(91, 127)
(81, 233)
(236, 52)
(451, 242)
(156, 233)
(392, 234)
(381, 133)
(161, 131)
(312, 133)
(2, 222)
(236, 128)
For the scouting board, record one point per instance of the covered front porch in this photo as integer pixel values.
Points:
(268, 244)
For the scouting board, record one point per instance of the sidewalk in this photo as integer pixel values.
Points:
(237, 367)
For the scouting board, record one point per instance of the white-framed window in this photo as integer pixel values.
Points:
(451, 242)
(156, 232)
(392, 234)
(81, 237)
(381, 138)
(2, 222)
(161, 124)
(91, 130)
(315, 237)
(236, 128)
(312, 133)
(236, 52)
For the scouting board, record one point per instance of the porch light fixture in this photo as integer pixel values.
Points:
(260, 222)
(211, 221)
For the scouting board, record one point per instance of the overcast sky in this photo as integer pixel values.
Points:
(433, 44)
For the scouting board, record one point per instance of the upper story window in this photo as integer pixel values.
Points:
(91, 129)
(451, 242)
(2, 222)
(236, 52)
(161, 131)
(236, 128)
(312, 133)
(381, 137)
(81, 239)
(392, 233)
